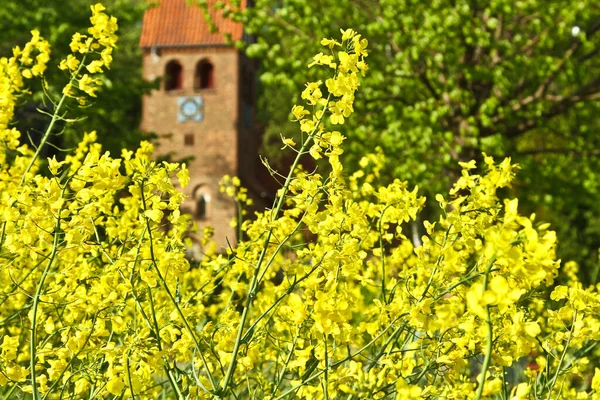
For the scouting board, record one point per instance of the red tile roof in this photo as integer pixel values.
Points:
(175, 23)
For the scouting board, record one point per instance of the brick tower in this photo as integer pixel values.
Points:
(204, 108)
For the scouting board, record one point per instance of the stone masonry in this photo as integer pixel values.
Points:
(223, 141)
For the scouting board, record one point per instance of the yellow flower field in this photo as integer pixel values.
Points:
(324, 298)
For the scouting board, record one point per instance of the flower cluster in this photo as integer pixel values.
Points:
(37, 46)
(341, 87)
(95, 51)
(323, 296)
(28, 62)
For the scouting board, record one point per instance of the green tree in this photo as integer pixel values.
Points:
(117, 110)
(451, 79)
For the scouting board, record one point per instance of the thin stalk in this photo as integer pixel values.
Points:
(254, 284)
(338, 363)
(73, 358)
(129, 376)
(488, 354)
(2, 235)
(287, 361)
(36, 299)
(562, 357)
(240, 211)
(387, 343)
(457, 284)
(32, 339)
(17, 285)
(154, 328)
(437, 264)
(171, 297)
(51, 125)
(490, 334)
(159, 342)
(326, 375)
(10, 392)
(276, 302)
(280, 246)
(47, 133)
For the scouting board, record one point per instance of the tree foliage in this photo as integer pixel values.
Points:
(453, 78)
(118, 108)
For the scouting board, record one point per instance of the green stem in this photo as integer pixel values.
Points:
(139, 304)
(457, 284)
(73, 358)
(326, 375)
(36, 299)
(171, 297)
(32, 344)
(280, 246)
(245, 338)
(490, 335)
(254, 283)
(387, 343)
(159, 342)
(240, 211)
(129, 376)
(562, 357)
(338, 363)
(2, 235)
(287, 361)
(437, 264)
(10, 392)
(51, 125)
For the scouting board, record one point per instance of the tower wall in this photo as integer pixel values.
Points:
(215, 138)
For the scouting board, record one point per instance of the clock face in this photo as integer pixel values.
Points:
(191, 109)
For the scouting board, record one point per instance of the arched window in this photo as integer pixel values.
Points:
(201, 202)
(204, 76)
(173, 75)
